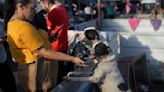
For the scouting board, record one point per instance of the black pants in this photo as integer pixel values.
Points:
(7, 80)
(63, 69)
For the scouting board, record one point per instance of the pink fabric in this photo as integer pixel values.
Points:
(115, 7)
(134, 22)
(127, 7)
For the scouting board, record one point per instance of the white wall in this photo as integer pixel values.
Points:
(143, 40)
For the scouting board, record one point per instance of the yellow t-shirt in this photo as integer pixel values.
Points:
(23, 41)
(44, 37)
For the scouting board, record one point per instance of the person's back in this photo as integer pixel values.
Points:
(57, 22)
(57, 17)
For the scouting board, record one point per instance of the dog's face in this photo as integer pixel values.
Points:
(91, 34)
(101, 49)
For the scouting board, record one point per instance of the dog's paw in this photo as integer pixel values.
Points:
(69, 78)
(73, 74)
(70, 73)
(66, 78)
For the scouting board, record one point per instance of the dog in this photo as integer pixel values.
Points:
(106, 73)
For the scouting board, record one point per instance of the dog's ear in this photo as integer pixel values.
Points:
(101, 49)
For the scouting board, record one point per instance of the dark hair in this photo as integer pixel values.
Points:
(91, 34)
(39, 20)
(51, 1)
(9, 9)
(101, 49)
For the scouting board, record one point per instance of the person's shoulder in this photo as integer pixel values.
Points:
(19, 22)
(25, 26)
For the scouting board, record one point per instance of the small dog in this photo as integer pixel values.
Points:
(106, 73)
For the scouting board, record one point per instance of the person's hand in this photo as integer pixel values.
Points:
(79, 62)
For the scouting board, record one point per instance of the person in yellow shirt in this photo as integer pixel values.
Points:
(26, 45)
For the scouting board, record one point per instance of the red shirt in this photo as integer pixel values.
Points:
(56, 17)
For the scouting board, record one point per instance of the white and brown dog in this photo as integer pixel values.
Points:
(106, 73)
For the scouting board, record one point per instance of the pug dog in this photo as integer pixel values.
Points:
(106, 73)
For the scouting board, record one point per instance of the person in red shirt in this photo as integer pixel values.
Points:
(57, 22)
(57, 17)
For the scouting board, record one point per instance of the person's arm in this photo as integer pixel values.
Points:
(50, 54)
(35, 43)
